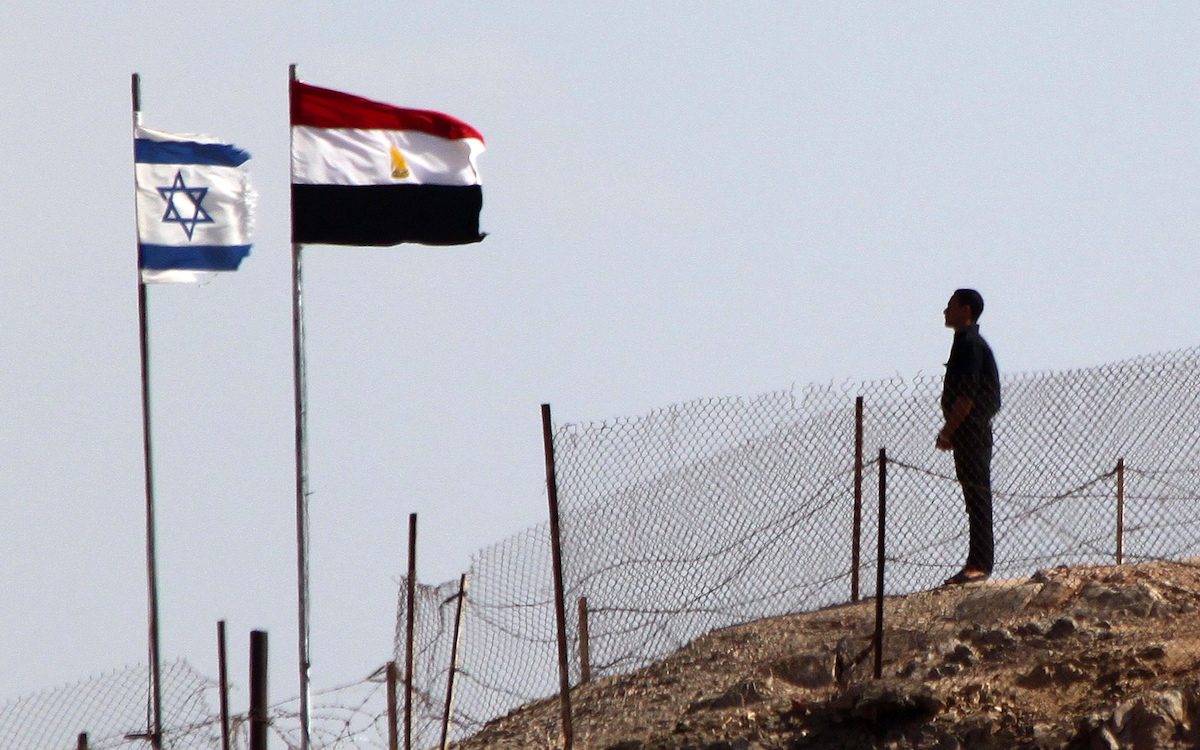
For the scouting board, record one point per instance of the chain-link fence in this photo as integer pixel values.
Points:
(341, 718)
(112, 711)
(721, 511)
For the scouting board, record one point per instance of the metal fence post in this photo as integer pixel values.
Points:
(879, 562)
(1120, 510)
(223, 672)
(458, 627)
(560, 615)
(411, 629)
(856, 538)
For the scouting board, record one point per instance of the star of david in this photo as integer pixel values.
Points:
(194, 194)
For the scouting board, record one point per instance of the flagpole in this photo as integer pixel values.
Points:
(299, 395)
(151, 565)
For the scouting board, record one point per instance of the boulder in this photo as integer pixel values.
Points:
(1150, 721)
(1051, 597)
(883, 705)
(744, 693)
(1138, 600)
(810, 671)
(1046, 674)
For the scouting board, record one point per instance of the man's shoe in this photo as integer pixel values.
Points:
(966, 576)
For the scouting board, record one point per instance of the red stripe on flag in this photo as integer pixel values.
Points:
(326, 108)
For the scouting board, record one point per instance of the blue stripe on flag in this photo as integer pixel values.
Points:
(187, 152)
(192, 258)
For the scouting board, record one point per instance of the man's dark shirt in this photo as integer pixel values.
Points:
(971, 372)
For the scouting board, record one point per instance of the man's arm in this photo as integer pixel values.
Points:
(958, 413)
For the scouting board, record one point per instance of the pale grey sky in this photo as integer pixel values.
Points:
(683, 200)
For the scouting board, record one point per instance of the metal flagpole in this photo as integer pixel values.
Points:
(151, 567)
(299, 389)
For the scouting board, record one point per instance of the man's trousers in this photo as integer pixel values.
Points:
(973, 466)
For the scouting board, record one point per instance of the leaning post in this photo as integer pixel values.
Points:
(560, 614)
(448, 714)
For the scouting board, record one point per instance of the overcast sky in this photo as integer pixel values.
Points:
(683, 200)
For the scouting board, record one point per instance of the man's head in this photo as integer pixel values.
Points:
(963, 309)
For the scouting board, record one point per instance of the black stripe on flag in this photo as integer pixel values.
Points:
(386, 214)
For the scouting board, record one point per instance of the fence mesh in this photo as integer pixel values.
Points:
(721, 511)
(112, 710)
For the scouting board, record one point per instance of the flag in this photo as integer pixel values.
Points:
(195, 206)
(367, 173)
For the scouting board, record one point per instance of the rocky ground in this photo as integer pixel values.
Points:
(1073, 658)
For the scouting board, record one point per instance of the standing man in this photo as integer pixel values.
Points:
(970, 398)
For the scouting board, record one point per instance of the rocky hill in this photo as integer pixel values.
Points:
(1078, 658)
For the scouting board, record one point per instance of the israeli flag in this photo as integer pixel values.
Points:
(195, 206)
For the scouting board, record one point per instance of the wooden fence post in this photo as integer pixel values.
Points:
(258, 690)
(393, 677)
(585, 652)
(81, 741)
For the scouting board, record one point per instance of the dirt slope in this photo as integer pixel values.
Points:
(1101, 657)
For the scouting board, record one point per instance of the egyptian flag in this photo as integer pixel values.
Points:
(367, 173)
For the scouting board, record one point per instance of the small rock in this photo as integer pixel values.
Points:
(1062, 627)
(1032, 629)
(1141, 672)
(1091, 733)
(1044, 675)
(883, 705)
(962, 654)
(628, 745)
(1153, 652)
(979, 732)
(851, 658)
(993, 602)
(805, 670)
(1045, 736)
(1052, 596)
(743, 693)
(1103, 739)
(995, 637)
(944, 670)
